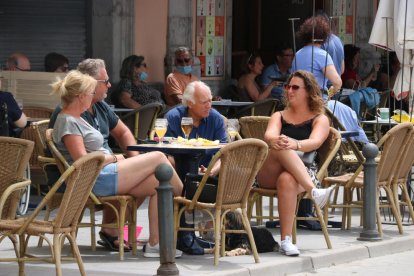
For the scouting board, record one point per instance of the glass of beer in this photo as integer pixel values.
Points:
(233, 128)
(160, 127)
(187, 126)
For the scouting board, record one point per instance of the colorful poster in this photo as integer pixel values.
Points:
(209, 37)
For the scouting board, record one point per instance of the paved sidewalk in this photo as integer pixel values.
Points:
(314, 255)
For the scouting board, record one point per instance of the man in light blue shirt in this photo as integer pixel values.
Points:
(281, 69)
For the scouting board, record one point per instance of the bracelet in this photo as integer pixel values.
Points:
(298, 145)
(115, 158)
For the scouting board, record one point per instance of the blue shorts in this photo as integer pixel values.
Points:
(107, 182)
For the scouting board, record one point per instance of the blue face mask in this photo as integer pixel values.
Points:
(184, 69)
(142, 76)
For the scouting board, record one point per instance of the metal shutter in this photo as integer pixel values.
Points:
(36, 28)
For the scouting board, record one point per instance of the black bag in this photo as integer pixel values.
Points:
(4, 123)
(209, 193)
(307, 157)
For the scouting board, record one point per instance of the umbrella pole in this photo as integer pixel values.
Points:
(403, 63)
(292, 20)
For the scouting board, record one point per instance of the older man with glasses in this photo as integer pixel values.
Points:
(178, 80)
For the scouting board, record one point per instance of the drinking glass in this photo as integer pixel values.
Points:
(160, 129)
(187, 126)
(233, 128)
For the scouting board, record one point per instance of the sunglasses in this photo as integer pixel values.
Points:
(104, 81)
(182, 60)
(294, 87)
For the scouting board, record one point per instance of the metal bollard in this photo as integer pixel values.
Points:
(165, 221)
(369, 232)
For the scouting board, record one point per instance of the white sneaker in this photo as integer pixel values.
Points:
(287, 247)
(322, 196)
(154, 251)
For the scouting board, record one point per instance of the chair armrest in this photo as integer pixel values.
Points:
(12, 188)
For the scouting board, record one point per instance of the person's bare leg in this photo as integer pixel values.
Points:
(287, 191)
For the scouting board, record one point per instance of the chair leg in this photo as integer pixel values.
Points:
(133, 222)
(47, 214)
(246, 225)
(76, 253)
(394, 210)
(93, 230)
(176, 222)
(217, 234)
(407, 201)
(22, 254)
(121, 223)
(56, 254)
(323, 225)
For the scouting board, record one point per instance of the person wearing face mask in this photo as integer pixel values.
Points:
(178, 80)
(133, 91)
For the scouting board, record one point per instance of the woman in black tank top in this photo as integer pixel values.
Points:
(301, 126)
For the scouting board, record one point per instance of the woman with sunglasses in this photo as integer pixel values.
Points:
(75, 137)
(248, 87)
(132, 90)
(301, 126)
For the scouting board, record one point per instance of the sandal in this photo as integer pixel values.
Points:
(109, 242)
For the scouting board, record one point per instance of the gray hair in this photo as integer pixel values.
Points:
(91, 66)
(188, 95)
(182, 49)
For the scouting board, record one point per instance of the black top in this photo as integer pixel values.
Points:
(300, 131)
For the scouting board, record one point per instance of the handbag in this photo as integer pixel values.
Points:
(209, 193)
(307, 157)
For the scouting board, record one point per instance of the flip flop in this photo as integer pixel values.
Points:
(109, 242)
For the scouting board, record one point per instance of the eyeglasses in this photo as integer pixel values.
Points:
(142, 64)
(294, 87)
(64, 68)
(182, 60)
(104, 81)
(21, 69)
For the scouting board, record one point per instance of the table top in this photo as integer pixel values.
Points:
(176, 148)
(230, 103)
(380, 121)
(348, 133)
(115, 109)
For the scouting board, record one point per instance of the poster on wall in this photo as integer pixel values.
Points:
(210, 26)
(343, 20)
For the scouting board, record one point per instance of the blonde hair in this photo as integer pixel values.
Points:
(74, 84)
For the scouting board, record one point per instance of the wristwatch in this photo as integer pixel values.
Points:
(298, 144)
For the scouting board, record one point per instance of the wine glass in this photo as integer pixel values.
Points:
(160, 127)
(233, 128)
(187, 126)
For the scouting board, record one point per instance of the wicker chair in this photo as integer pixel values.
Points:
(260, 108)
(141, 120)
(79, 179)
(326, 153)
(393, 145)
(93, 203)
(14, 157)
(240, 162)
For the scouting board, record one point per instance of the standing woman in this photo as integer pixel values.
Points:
(74, 137)
(301, 126)
(247, 86)
(132, 90)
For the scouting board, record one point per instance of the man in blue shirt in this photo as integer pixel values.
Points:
(207, 122)
(280, 69)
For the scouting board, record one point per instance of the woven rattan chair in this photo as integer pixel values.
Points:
(79, 179)
(14, 157)
(260, 108)
(94, 203)
(240, 162)
(392, 145)
(255, 127)
(326, 153)
(141, 120)
(400, 178)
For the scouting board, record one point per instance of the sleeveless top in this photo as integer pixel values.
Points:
(300, 131)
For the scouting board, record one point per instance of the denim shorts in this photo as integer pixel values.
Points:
(107, 182)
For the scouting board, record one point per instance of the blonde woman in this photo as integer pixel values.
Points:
(74, 137)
